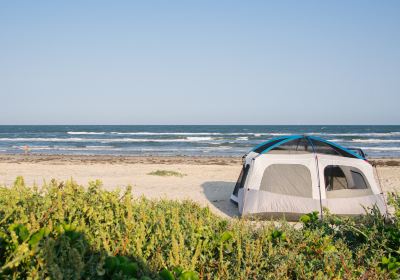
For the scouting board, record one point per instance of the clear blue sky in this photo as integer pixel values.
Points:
(200, 62)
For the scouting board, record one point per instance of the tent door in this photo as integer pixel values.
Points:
(240, 182)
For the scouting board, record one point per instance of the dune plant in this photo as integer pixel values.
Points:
(166, 173)
(66, 231)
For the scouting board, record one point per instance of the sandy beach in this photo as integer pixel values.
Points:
(207, 180)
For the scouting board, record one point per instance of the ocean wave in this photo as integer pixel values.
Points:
(338, 140)
(116, 149)
(361, 134)
(219, 148)
(197, 138)
(376, 140)
(44, 139)
(257, 134)
(167, 133)
(276, 134)
(243, 138)
(381, 148)
(143, 140)
(85, 133)
(69, 148)
(105, 140)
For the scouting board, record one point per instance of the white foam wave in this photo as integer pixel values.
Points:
(376, 140)
(381, 148)
(44, 139)
(243, 138)
(199, 133)
(85, 133)
(256, 134)
(167, 133)
(396, 133)
(142, 140)
(67, 148)
(198, 138)
(337, 140)
(105, 140)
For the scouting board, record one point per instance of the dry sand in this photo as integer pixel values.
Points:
(207, 181)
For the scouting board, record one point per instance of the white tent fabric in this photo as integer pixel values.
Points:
(293, 184)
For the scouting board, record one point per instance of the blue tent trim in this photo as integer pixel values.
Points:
(336, 145)
(269, 141)
(288, 138)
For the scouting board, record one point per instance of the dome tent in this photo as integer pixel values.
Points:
(294, 175)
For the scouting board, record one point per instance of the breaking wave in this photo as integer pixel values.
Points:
(376, 140)
(105, 140)
(85, 133)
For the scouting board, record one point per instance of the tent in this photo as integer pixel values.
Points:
(293, 175)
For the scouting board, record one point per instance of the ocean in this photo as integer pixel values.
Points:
(199, 140)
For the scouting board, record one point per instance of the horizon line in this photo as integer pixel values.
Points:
(200, 124)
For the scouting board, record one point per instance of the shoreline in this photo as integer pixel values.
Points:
(118, 159)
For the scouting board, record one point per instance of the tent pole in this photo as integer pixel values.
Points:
(380, 188)
(318, 177)
(319, 186)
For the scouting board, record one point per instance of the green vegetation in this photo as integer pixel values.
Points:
(166, 173)
(65, 231)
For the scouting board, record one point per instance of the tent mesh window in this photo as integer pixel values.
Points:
(328, 149)
(323, 148)
(296, 146)
(241, 180)
(267, 145)
(345, 181)
(335, 178)
(358, 179)
(287, 179)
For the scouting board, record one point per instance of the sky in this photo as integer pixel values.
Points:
(200, 62)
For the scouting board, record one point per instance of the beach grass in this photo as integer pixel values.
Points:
(67, 231)
(166, 173)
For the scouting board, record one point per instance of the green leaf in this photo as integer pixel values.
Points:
(111, 264)
(330, 248)
(178, 271)
(122, 259)
(189, 275)
(305, 219)
(385, 260)
(226, 236)
(392, 266)
(21, 231)
(165, 274)
(35, 239)
(130, 269)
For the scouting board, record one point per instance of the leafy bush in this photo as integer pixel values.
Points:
(65, 231)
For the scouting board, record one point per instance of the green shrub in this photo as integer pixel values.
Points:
(66, 231)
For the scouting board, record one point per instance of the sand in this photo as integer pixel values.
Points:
(208, 181)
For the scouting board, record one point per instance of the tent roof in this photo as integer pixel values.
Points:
(312, 141)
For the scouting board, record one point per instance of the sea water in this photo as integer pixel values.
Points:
(198, 140)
